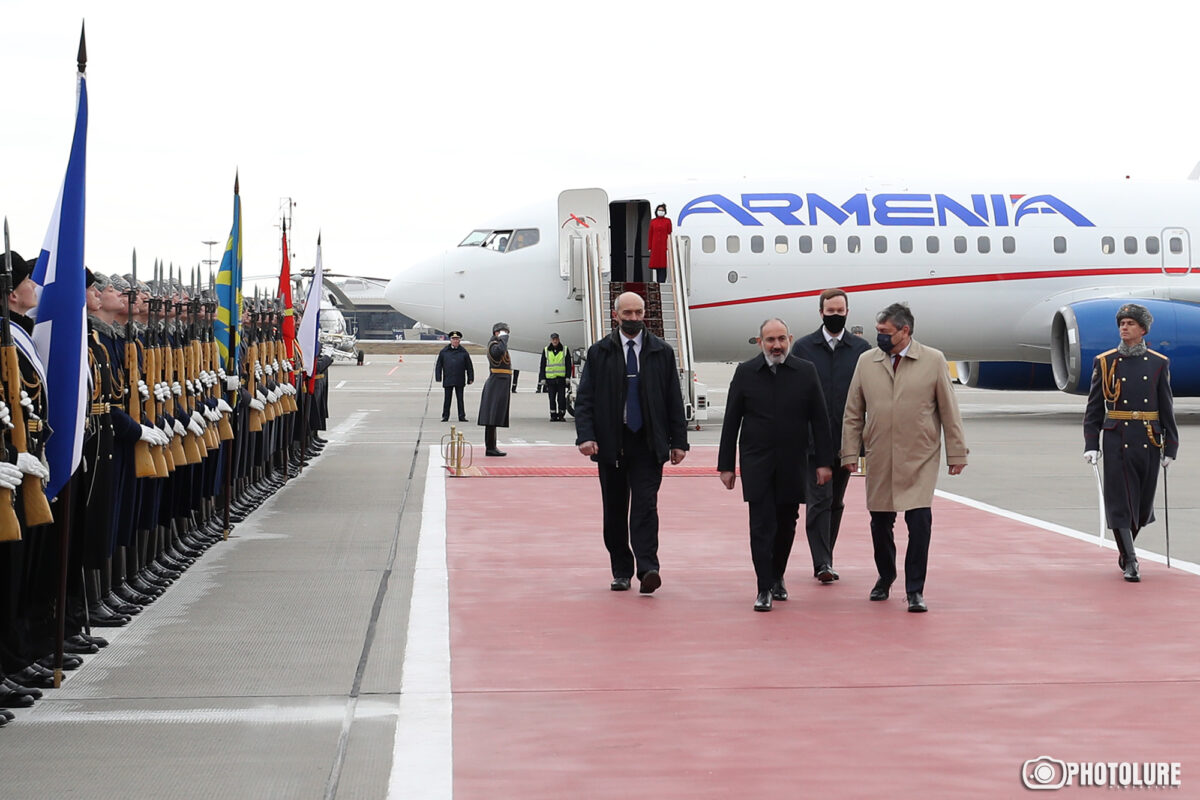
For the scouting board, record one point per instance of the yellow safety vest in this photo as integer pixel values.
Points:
(556, 364)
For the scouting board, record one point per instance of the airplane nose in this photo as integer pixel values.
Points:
(418, 291)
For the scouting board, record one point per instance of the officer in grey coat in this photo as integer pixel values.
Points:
(493, 405)
(1130, 422)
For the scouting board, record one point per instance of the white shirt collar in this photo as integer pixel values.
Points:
(830, 339)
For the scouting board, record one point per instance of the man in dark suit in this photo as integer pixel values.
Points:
(775, 400)
(629, 419)
(834, 351)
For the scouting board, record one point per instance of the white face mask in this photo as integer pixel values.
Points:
(660, 213)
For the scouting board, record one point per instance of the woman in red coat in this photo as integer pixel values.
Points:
(660, 234)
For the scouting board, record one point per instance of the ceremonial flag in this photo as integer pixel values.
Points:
(61, 328)
(285, 291)
(229, 291)
(310, 325)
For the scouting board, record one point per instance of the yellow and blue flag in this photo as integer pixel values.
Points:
(229, 291)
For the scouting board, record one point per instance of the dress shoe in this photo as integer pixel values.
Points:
(826, 574)
(880, 591)
(650, 582)
(763, 603)
(70, 661)
(495, 452)
(6, 716)
(445, 419)
(778, 590)
(1131, 571)
(85, 638)
(463, 419)
(620, 585)
(80, 648)
(916, 602)
(15, 700)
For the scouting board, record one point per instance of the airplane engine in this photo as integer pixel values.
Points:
(1018, 375)
(1081, 331)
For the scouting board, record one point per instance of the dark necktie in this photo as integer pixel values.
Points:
(633, 404)
(895, 363)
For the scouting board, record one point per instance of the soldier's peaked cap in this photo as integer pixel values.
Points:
(500, 326)
(1139, 314)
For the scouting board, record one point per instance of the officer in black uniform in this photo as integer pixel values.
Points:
(493, 405)
(454, 370)
(1129, 422)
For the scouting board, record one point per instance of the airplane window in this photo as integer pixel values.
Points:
(1060, 244)
(781, 244)
(1009, 244)
(732, 244)
(984, 244)
(756, 244)
(853, 245)
(497, 240)
(1176, 245)
(1152, 245)
(1131, 245)
(805, 244)
(1108, 246)
(960, 244)
(932, 244)
(906, 244)
(708, 244)
(526, 237)
(475, 239)
(829, 244)
(880, 244)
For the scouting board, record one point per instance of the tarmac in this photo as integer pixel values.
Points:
(377, 629)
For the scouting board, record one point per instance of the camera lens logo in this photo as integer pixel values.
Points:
(1044, 772)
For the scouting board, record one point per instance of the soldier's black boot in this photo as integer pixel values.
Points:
(489, 439)
(1125, 537)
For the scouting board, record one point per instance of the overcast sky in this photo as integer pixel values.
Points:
(397, 127)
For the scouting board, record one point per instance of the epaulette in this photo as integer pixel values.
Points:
(1107, 353)
(1155, 353)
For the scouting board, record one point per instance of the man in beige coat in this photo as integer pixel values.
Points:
(899, 405)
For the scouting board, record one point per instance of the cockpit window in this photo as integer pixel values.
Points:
(474, 239)
(526, 237)
(497, 240)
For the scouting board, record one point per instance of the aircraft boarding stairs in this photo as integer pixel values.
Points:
(585, 256)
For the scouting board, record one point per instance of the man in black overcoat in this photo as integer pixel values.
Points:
(454, 370)
(775, 399)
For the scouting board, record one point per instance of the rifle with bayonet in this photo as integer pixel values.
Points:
(10, 526)
(36, 506)
(143, 461)
(192, 446)
(160, 306)
(196, 362)
(250, 334)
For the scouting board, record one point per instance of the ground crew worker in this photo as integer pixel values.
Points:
(555, 368)
(1130, 401)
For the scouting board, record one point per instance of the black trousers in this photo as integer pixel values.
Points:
(457, 391)
(629, 490)
(823, 512)
(916, 557)
(556, 388)
(772, 532)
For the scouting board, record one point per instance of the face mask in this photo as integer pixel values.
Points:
(885, 342)
(834, 323)
(660, 213)
(632, 327)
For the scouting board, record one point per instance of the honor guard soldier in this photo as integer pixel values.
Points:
(493, 404)
(1130, 424)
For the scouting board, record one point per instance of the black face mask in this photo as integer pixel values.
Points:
(885, 342)
(632, 327)
(834, 323)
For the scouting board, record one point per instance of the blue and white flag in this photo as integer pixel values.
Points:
(61, 328)
(310, 325)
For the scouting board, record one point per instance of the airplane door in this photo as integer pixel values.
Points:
(584, 255)
(1176, 251)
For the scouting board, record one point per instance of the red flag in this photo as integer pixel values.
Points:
(285, 291)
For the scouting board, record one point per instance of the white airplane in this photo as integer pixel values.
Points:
(1018, 281)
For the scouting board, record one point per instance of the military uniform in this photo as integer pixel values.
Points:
(494, 400)
(1129, 418)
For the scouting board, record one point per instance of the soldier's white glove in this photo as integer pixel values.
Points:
(143, 390)
(257, 404)
(161, 393)
(1092, 457)
(164, 438)
(258, 370)
(178, 428)
(1166, 461)
(26, 403)
(166, 431)
(221, 373)
(149, 435)
(275, 364)
(5, 417)
(232, 383)
(29, 464)
(223, 406)
(196, 424)
(272, 395)
(260, 396)
(287, 387)
(10, 476)
(176, 389)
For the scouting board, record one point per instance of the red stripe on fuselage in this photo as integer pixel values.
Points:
(946, 281)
